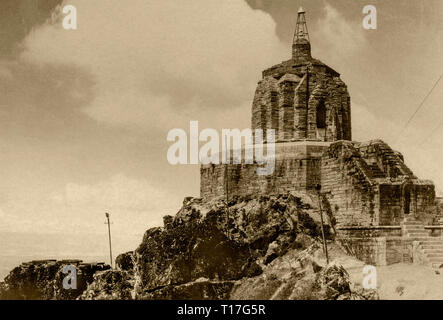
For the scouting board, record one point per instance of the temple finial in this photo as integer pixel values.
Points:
(301, 47)
(301, 30)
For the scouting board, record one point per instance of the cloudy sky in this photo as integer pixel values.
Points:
(84, 113)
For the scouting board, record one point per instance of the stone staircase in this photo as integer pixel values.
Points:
(430, 249)
(376, 172)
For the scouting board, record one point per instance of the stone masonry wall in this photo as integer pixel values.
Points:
(288, 97)
(391, 164)
(379, 251)
(297, 168)
(391, 205)
(368, 184)
(347, 186)
(393, 198)
(289, 105)
(370, 250)
(358, 191)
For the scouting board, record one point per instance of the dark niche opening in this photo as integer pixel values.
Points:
(407, 208)
(321, 115)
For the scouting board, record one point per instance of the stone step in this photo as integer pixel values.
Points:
(435, 264)
(412, 223)
(376, 172)
(423, 233)
(430, 241)
(436, 250)
(411, 220)
(416, 235)
(436, 260)
(416, 230)
(414, 226)
(432, 246)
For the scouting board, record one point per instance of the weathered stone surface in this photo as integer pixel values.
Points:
(302, 98)
(125, 262)
(222, 243)
(297, 168)
(43, 280)
(367, 184)
(209, 250)
(197, 290)
(110, 285)
(213, 241)
(300, 275)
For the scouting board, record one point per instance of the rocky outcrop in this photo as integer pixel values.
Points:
(217, 242)
(301, 275)
(252, 248)
(201, 289)
(43, 280)
(125, 261)
(110, 285)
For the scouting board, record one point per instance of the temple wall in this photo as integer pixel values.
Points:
(358, 192)
(287, 102)
(391, 204)
(297, 168)
(345, 183)
(379, 251)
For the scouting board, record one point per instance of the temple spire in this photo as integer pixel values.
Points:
(301, 47)
(301, 30)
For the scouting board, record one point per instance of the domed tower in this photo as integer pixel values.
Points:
(302, 98)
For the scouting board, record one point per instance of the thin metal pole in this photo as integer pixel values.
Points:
(109, 234)
(228, 156)
(307, 102)
(227, 183)
(325, 245)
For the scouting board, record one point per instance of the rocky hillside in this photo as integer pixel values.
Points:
(252, 248)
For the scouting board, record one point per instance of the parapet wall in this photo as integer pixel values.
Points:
(297, 168)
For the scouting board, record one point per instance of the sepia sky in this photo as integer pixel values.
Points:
(84, 113)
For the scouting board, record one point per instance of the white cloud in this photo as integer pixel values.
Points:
(156, 61)
(335, 37)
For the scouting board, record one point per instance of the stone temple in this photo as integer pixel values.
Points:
(380, 210)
